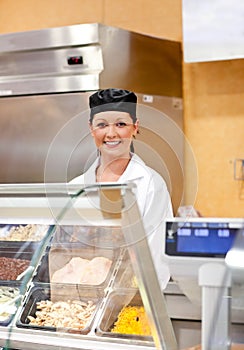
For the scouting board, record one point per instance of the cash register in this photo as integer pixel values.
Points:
(204, 250)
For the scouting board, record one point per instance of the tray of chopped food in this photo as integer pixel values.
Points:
(44, 309)
(124, 316)
(9, 296)
(22, 236)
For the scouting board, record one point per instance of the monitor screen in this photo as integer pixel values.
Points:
(199, 238)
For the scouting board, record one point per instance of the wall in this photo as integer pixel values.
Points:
(213, 92)
(214, 124)
(155, 17)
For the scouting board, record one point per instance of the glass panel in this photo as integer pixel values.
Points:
(87, 278)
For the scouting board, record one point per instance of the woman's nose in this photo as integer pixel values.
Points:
(111, 129)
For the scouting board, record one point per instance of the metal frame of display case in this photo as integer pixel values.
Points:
(105, 205)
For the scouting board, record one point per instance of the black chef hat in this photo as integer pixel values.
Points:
(113, 100)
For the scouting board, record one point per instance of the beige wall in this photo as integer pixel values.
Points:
(156, 17)
(213, 92)
(214, 124)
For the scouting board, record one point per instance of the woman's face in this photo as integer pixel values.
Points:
(113, 132)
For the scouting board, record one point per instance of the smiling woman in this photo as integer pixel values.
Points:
(113, 132)
(113, 125)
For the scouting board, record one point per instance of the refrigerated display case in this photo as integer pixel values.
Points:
(87, 279)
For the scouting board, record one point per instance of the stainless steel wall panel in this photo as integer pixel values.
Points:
(46, 85)
(44, 137)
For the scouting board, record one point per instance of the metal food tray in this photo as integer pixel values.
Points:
(58, 294)
(110, 297)
(14, 253)
(21, 244)
(61, 255)
(114, 303)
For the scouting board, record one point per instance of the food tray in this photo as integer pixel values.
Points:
(25, 237)
(59, 295)
(22, 232)
(57, 257)
(115, 301)
(8, 291)
(12, 263)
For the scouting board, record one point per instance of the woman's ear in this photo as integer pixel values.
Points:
(136, 127)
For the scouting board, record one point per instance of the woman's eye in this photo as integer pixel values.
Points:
(121, 124)
(101, 125)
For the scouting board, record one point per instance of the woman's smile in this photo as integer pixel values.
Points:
(112, 143)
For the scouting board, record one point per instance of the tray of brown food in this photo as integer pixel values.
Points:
(124, 317)
(71, 264)
(13, 264)
(56, 310)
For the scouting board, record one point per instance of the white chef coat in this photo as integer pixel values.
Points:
(154, 203)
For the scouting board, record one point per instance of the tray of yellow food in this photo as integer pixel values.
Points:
(124, 316)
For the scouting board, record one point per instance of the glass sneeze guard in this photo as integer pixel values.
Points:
(94, 248)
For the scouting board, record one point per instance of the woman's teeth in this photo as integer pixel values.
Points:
(112, 143)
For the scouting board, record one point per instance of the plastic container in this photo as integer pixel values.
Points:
(58, 294)
(115, 302)
(125, 277)
(103, 237)
(57, 257)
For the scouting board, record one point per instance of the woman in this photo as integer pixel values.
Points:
(113, 124)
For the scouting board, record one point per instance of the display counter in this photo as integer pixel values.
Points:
(76, 271)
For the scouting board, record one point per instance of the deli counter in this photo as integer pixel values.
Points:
(76, 271)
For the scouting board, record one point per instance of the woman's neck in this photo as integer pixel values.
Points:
(111, 170)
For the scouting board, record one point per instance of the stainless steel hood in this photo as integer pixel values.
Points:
(46, 77)
(38, 61)
(44, 61)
